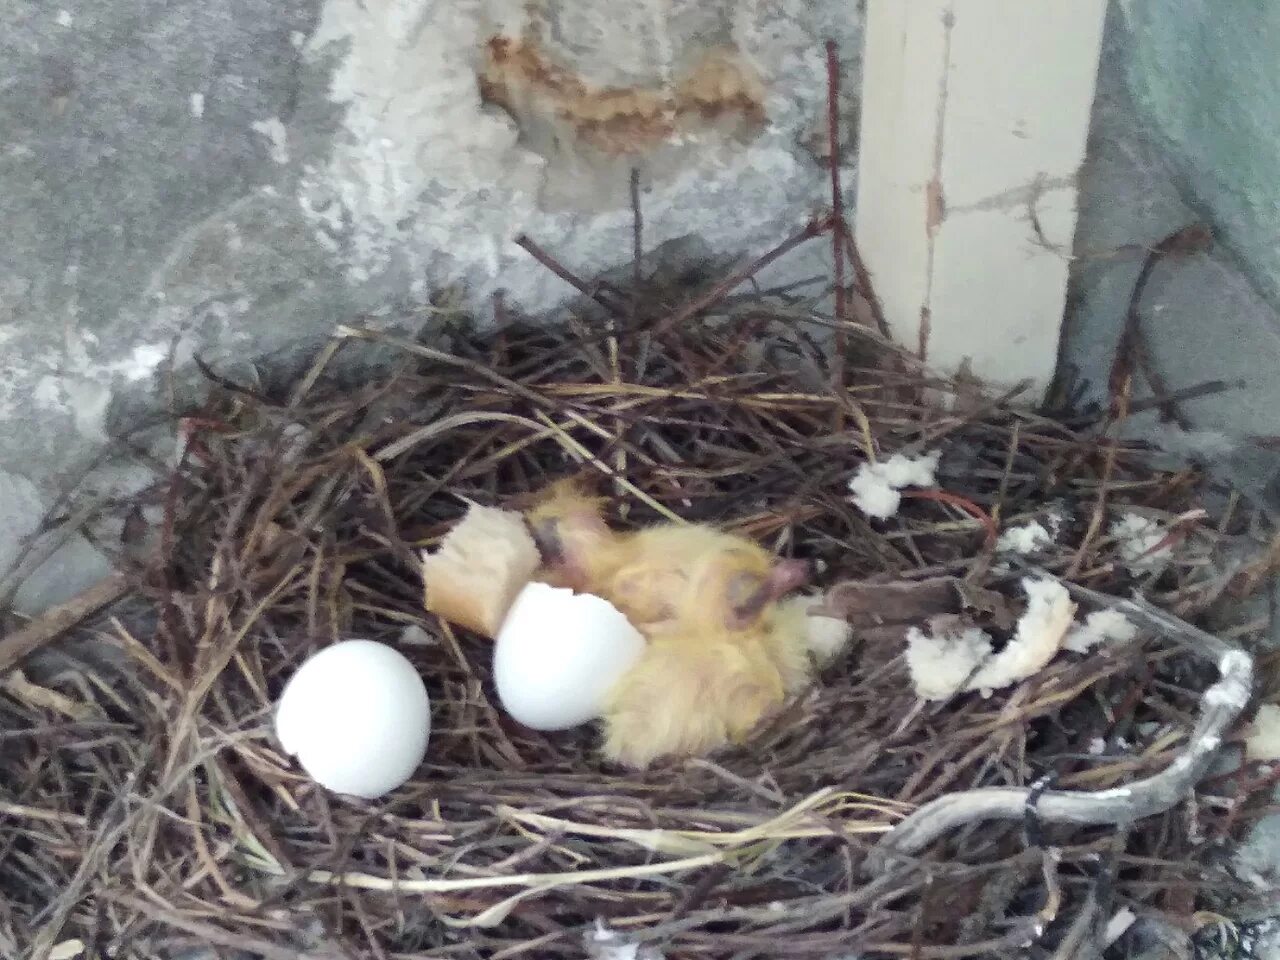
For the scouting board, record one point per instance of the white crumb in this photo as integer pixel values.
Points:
(196, 101)
(825, 637)
(413, 635)
(1137, 537)
(1264, 742)
(900, 471)
(873, 495)
(1055, 521)
(1102, 627)
(1028, 538)
(65, 19)
(1097, 747)
(875, 486)
(604, 943)
(1038, 637)
(940, 664)
(1120, 921)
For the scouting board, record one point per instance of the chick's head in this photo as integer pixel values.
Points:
(568, 525)
(736, 589)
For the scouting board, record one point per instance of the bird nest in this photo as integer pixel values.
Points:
(149, 806)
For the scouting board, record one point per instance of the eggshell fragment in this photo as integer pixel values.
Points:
(558, 654)
(357, 717)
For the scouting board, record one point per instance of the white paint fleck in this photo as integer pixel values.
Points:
(141, 362)
(1120, 921)
(1116, 793)
(48, 393)
(1027, 538)
(1263, 742)
(197, 105)
(88, 401)
(65, 19)
(277, 137)
(1234, 661)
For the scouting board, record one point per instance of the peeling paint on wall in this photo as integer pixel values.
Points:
(721, 93)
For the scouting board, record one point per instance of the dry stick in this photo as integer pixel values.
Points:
(550, 262)
(1111, 448)
(1133, 348)
(61, 618)
(838, 226)
(637, 245)
(1222, 704)
(217, 936)
(441, 356)
(813, 229)
(867, 289)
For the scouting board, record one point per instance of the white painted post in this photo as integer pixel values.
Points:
(974, 120)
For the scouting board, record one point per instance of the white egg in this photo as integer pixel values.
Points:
(357, 717)
(558, 653)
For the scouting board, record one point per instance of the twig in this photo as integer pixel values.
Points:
(554, 265)
(695, 306)
(637, 246)
(1133, 349)
(865, 286)
(216, 936)
(1222, 705)
(61, 618)
(838, 226)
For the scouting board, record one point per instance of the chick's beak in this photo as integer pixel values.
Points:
(788, 575)
(785, 576)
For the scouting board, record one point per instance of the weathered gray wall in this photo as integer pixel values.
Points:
(234, 177)
(1187, 128)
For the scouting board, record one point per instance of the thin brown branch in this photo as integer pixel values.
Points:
(677, 318)
(57, 621)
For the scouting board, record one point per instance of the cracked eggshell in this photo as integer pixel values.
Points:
(558, 653)
(357, 717)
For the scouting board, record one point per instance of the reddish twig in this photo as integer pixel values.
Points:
(955, 500)
(1132, 349)
(838, 227)
(865, 287)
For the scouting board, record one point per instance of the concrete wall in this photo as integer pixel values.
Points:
(1208, 81)
(1187, 128)
(231, 178)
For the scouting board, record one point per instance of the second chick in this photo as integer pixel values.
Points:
(722, 652)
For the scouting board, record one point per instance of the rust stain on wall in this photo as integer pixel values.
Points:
(720, 93)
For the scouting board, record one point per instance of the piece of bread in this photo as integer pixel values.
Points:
(473, 578)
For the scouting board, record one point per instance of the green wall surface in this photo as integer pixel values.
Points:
(1206, 76)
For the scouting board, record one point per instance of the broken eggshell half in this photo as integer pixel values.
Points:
(558, 654)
